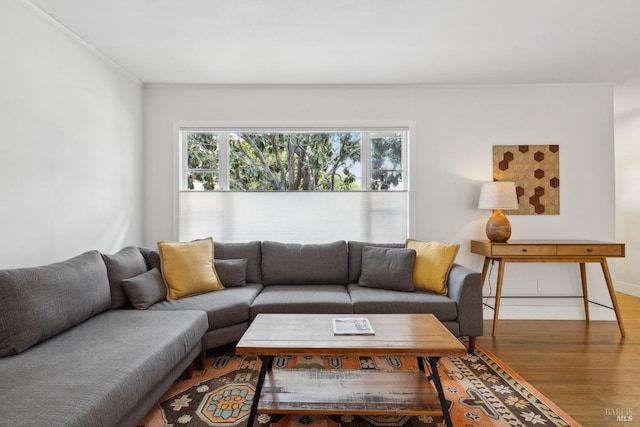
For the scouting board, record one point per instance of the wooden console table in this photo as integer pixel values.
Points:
(578, 251)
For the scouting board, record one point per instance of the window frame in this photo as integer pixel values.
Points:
(184, 166)
(408, 162)
(223, 151)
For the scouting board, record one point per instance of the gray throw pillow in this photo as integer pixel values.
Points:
(388, 268)
(125, 264)
(355, 256)
(252, 251)
(145, 289)
(231, 272)
(152, 257)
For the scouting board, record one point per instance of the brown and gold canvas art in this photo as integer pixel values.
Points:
(535, 169)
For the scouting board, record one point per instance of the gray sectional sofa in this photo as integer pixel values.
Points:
(73, 352)
(68, 359)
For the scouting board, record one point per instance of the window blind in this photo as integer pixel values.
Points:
(294, 217)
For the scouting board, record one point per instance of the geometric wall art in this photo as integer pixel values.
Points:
(535, 169)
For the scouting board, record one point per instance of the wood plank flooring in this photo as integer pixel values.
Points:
(587, 369)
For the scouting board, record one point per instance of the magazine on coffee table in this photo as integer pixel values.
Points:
(352, 326)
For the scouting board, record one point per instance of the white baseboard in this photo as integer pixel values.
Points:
(548, 309)
(628, 288)
(556, 308)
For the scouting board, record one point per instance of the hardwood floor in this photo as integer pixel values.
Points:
(587, 369)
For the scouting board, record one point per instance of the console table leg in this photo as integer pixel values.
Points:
(496, 310)
(485, 269)
(612, 293)
(585, 289)
(267, 363)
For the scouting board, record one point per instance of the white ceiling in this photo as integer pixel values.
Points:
(361, 41)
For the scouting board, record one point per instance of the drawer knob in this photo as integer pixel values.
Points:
(524, 250)
(589, 250)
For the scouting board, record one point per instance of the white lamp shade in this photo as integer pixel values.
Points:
(498, 195)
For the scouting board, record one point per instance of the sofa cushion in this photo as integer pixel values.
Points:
(371, 300)
(302, 264)
(302, 299)
(145, 289)
(187, 268)
(388, 268)
(94, 373)
(39, 302)
(433, 262)
(355, 256)
(232, 272)
(126, 263)
(251, 251)
(226, 307)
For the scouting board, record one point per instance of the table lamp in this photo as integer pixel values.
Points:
(498, 195)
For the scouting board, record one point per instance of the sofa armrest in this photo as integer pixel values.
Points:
(465, 288)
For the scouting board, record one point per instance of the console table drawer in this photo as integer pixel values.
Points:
(526, 250)
(595, 250)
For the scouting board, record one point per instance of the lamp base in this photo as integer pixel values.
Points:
(498, 227)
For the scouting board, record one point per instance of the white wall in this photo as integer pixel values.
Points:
(451, 155)
(627, 148)
(70, 144)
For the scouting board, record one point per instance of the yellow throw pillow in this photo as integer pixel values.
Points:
(187, 268)
(433, 262)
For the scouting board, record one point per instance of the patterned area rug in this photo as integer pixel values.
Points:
(483, 392)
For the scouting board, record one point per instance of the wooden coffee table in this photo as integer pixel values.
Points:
(359, 392)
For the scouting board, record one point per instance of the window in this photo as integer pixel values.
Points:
(203, 160)
(302, 185)
(293, 161)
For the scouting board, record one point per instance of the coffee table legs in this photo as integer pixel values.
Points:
(267, 363)
(435, 376)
